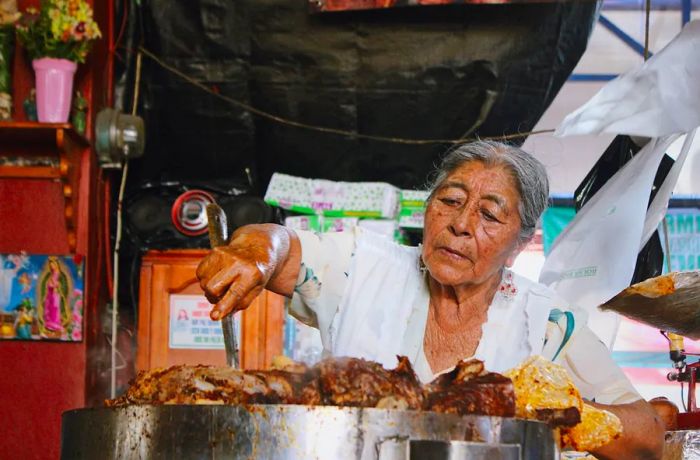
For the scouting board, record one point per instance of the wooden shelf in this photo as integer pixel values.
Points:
(32, 140)
(30, 172)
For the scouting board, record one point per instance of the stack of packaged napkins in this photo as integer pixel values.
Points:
(412, 208)
(328, 206)
(333, 199)
(320, 223)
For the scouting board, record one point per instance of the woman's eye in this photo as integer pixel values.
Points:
(450, 201)
(488, 216)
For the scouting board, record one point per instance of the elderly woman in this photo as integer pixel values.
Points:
(451, 298)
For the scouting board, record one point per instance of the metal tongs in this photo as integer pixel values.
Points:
(218, 236)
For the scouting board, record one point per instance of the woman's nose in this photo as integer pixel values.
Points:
(461, 223)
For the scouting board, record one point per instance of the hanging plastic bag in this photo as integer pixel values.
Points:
(595, 256)
(619, 152)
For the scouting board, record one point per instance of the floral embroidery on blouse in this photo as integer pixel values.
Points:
(507, 288)
(310, 287)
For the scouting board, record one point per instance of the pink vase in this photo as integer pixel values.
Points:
(54, 88)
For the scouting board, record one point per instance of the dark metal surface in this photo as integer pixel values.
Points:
(677, 312)
(216, 223)
(462, 450)
(282, 432)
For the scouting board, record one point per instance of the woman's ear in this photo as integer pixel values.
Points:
(516, 252)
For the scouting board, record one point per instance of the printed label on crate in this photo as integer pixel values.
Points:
(190, 326)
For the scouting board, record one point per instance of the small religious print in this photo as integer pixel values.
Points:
(41, 297)
(190, 325)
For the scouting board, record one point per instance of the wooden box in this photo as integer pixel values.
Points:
(172, 273)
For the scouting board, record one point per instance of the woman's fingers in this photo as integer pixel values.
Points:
(234, 298)
(226, 304)
(220, 282)
(208, 267)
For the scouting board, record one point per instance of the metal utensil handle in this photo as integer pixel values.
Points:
(216, 223)
(230, 341)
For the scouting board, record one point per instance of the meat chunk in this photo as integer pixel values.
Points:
(360, 383)
(544, 391)
(597, 428)
(469, 389)
(562, 417)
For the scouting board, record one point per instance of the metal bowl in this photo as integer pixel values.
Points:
(282, 432)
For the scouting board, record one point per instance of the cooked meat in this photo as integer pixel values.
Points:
(597, 428)
(338, 382)
(211, 385)
(464, 371)
(469, 389)
(537, 389)
(284, 363)
(569, 416)
(361, 383)
(544, 391)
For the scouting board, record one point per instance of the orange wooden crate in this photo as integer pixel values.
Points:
(165, 273)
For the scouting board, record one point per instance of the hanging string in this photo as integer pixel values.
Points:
(325, 129)
(117, 242)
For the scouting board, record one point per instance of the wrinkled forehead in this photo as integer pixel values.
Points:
(485, 178)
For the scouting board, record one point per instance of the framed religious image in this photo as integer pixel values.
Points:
(41, 297)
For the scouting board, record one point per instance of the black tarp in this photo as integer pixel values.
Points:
(423, 72)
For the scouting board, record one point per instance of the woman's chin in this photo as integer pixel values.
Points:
(448, 277)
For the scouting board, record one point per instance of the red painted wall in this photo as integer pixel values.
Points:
(40, 380)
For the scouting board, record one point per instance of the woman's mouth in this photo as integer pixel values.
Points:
(452, 253)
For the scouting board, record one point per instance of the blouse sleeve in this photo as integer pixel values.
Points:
(593, 370)
(323, 277)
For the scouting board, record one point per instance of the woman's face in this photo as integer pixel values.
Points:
(472, 225)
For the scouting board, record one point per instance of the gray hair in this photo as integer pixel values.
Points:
(529, 174)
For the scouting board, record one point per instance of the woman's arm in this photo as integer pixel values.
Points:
(257, 257)
(599, 378)
(642, 433)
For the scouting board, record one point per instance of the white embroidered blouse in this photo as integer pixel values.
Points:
(369, 299)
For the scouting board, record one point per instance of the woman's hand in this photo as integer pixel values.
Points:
(257, 257)
(642, 433)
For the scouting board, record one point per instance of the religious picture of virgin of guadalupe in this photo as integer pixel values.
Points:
(41, 297)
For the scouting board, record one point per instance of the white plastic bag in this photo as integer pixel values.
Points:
(658, 98)
(594, 257)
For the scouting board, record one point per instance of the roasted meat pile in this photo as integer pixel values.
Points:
(334, 382)
(216, 385)
(537, 389)
(353, 382)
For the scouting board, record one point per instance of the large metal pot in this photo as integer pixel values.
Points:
(282, 432)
